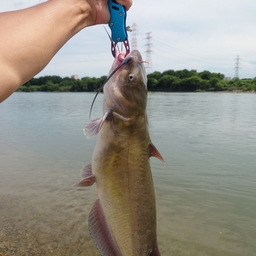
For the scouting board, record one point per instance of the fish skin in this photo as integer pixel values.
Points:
(120, 165)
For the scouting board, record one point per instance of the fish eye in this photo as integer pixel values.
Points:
(131, 77)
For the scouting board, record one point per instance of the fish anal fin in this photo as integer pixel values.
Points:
(100, 232)
(87, 178)
(154, 152)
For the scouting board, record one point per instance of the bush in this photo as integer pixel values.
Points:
(49, 87)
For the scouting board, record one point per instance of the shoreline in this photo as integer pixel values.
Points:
(151, 92)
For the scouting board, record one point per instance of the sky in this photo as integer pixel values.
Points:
(186, 34)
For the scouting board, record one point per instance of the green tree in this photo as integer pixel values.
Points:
(221, 85)
(67, 81)
(165, 82)
(191, 84)
(27, 89)
(91, 83)
(49, 87)
(156, 75)
(79, 86)
(170, 72)
(152, 84)
(101, 81)
(213, 82)
(206, 75)
(185, 73)
(169, 83)
(218, 75)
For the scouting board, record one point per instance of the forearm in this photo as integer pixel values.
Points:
(47, 26)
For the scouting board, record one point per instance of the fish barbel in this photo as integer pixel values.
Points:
(122, 221)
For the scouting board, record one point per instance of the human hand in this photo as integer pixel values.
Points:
(101, 12)
(126, 3)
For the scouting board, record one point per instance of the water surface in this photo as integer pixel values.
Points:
(206, 191)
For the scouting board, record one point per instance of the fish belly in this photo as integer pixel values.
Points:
(125, 189)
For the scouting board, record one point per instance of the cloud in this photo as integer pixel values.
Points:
(201, 33)
(12, 5)
(192, 34)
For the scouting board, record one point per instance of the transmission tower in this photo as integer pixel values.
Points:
(237, 66)
(134, 30)
(148, 52)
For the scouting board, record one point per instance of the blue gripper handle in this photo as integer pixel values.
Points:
(117, 22)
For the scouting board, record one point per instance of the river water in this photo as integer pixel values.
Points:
(206, 190)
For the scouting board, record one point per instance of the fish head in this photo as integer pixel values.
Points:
(126, 91)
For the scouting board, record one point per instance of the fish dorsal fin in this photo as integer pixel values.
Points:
(87, 179)
(100, 232)
(94, 126)
(154, 152)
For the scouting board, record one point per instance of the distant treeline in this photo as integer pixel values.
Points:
(167, 81)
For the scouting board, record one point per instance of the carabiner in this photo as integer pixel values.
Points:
(117, 24)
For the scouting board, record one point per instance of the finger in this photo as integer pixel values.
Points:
(126, 3)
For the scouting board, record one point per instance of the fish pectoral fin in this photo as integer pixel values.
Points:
(100, 232)
(95, 125)
(87, 178)
(154, 152)
(93, 128)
